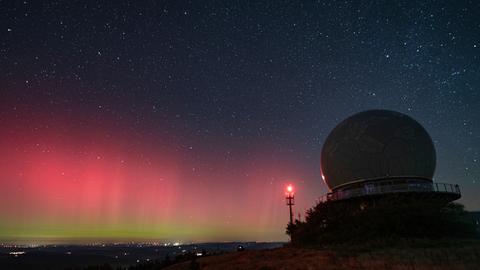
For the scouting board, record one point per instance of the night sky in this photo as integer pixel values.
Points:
(184, 121)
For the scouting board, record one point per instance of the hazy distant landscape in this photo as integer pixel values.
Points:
(124, 255)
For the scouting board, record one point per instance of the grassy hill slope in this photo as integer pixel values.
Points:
(447, 255)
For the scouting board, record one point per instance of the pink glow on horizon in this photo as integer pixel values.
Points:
(95, 178)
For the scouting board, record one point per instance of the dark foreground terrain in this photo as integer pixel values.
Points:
(394, 254)
(460, 254)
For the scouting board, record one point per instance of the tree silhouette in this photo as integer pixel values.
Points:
(395, 216)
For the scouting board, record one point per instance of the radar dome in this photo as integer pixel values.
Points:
(377, 144)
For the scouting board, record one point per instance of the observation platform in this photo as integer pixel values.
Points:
(449, 192)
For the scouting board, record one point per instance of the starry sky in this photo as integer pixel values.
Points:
(184, 121)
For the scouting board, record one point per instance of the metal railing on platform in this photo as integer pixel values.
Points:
(389, 186)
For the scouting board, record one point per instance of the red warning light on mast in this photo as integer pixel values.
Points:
(290, 189)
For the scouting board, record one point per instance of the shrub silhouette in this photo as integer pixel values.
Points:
(394, 216)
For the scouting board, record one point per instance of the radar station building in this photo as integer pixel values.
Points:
(377, 153)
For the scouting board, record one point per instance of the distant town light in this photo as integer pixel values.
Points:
(16, 253)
